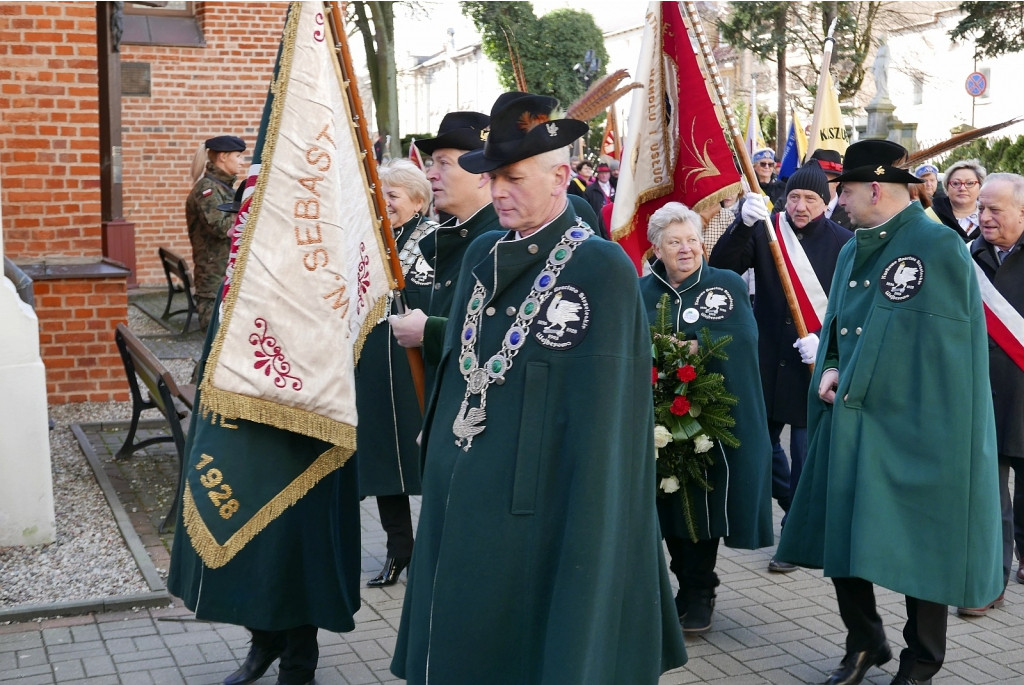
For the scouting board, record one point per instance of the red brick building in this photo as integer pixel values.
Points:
(100, 116)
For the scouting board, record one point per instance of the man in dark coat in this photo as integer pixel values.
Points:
(538, 557)
(831, 162)
(784, 378)
(998, 255)
(466, 197)
(900, 481)
(600, 193)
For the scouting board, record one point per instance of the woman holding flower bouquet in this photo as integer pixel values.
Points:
(714, 454)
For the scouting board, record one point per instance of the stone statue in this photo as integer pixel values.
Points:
(879, 70)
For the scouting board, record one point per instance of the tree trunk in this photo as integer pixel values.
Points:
(387, 96)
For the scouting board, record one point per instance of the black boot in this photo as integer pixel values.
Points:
(700, 604)
(388, 575)
(259, 659)
(853, 666)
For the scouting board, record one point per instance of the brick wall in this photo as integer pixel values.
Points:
(49, 130)
(49, 176)
(196, 93)
(77, 318)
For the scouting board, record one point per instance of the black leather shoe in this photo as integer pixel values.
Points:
(388, 575)
(256, 664)
(853, 666)
(903, 679)
(311, 682)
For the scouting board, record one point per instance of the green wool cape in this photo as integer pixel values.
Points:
(389, 413)
(739, 508)
(290, 554)
(900, 483)
(538, 557)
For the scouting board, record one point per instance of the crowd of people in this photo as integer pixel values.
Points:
(535, 453)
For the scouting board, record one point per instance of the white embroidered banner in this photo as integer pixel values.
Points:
(308, 277)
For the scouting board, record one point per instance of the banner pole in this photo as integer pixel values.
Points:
(370, 163)
(689, 11)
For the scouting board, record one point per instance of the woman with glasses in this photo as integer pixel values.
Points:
(959, 208)
(764, 166)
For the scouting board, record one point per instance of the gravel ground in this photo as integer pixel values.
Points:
(89, 559)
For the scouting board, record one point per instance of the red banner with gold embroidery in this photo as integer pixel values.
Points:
(676, 149)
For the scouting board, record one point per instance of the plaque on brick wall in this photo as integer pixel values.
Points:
(135, 78)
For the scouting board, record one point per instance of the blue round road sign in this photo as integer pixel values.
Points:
(976, 84)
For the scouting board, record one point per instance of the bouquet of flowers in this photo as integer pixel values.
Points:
(692, 409)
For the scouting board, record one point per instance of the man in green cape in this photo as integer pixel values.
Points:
(538, 556)
(900, 484)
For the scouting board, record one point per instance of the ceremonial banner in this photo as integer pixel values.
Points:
(811, 297)
(610, 142)
(308, 278)
(1005, 324)
(755, 136)
(796, 147)
(275, 407)
(414, 154)
(675, 149)
(832, 131)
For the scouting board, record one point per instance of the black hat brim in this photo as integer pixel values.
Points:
(537, 141)
(869, 174)
(461, 139)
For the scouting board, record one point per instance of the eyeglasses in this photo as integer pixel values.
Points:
(765, 164)
(962, 184)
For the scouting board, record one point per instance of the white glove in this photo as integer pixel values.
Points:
(754, 209)
(408, 328)
(808, 348)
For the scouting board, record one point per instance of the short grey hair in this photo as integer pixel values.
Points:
(672, 212)
(969, 164)
(401, 173)
(1016, 182)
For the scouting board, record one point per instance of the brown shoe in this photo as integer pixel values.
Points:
(1020, 574)
(981, 611)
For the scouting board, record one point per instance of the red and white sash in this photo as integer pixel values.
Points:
(1005, 324)
(810, 295)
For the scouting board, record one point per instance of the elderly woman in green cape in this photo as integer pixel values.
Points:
(738, 507)
(389, 413)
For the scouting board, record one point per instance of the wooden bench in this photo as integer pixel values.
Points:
(175, 267)
(174, 402)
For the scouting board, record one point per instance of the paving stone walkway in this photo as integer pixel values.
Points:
(768, 628)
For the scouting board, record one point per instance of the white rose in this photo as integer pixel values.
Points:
(662, 436)
(670, 484)
(702, 443)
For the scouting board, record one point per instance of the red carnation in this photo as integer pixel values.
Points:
(654, 375)
(686, 373)
(680, 405)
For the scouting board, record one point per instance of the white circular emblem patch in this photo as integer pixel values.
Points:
(690, 315)
(564, 318)
(715, 303)
(902, 278)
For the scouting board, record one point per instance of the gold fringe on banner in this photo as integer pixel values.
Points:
(214, 554)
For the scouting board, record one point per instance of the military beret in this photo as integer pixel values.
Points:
(225, 144)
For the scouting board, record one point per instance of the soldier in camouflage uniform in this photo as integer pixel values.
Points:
(208, 226)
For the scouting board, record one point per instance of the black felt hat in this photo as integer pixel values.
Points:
(458, 130)
(235, 205)
(875, 160)
(225, 144)
(521, 127)
(830, 161)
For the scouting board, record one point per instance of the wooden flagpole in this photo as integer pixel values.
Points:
(826, 62)
(394, 264)
(689, 11)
